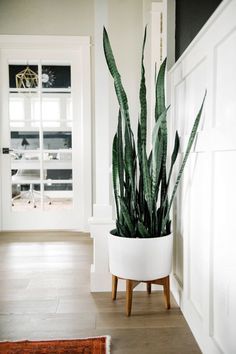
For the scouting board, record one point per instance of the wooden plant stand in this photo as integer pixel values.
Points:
(131, 284)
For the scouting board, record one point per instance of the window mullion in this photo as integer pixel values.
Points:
(41, 134)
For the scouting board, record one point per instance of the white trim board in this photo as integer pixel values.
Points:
(32, 41)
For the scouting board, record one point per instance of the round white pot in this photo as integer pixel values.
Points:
(140, 258)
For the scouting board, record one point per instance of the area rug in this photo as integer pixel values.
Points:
(96, 345)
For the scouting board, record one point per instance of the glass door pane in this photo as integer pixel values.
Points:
(40, 118)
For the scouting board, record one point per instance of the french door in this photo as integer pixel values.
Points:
(44, 154)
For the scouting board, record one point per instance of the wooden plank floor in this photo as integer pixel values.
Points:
(44, 294)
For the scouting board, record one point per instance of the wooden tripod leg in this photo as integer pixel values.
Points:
(166, 285)
(114, 286)
(149, 288)
(129, 293)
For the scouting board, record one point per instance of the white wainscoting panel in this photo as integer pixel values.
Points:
(198, 232)
(195, 85)
(225, 56)
(224, 248)
(204, 214)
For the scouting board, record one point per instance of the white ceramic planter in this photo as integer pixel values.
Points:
(140, 259)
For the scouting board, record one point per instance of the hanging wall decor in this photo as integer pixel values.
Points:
(26, 78)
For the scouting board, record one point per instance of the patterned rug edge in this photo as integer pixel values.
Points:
(108, 344)
(108, 340)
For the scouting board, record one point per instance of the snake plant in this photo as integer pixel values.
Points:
(141, 182)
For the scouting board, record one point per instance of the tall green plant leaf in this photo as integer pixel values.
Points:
(142, 98)
(130, 157)
(159, 109)
(173, 156)
(127, 218)
(157, 155)
(120, 92)
(121, 228)
(136, 191)
(164, 157)
(156, 169)
(115, 176)
(143, 232)
(147, 187)
(120, 156)
(139, 144)
(160, 91)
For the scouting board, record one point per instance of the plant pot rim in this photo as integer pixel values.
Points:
(140, 238)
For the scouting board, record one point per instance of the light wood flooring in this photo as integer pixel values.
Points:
(44, 294)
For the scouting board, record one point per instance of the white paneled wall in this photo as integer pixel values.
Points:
(204, 274)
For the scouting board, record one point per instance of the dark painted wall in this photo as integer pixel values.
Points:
(191, 15)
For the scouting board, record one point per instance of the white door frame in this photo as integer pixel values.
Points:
(80, 46)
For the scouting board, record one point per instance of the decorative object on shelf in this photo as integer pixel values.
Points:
(141, 184)
(48, 77)
(26, 78)
(56, 76)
